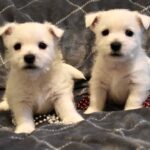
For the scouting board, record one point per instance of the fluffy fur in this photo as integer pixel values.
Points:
(122, 74)
(38, 85)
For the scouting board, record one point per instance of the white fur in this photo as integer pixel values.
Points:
(39, 90)
(126, 78)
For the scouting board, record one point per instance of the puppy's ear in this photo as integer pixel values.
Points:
(6, 29)
(54, 30)
(143, 20)
(91, 19)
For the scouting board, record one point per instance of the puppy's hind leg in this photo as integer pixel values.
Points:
(4, 105)
(66, 110)
(24, 118)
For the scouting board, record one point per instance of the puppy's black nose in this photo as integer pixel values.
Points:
(29, 58)
(115, 46)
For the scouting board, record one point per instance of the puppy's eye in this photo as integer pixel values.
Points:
(42, 45)
(105, 32)
(129, 33)
(17, 46)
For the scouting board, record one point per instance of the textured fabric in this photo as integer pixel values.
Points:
(106, 130)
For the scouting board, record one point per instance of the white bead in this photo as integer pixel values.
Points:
(40, 121)
(49, 121)
(48, 117)
(36, 123)
(36, 118)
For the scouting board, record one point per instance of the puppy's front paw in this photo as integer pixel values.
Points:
(4, 106)
(132, 107)
(91, 110)
(72, 119)
(24, 128)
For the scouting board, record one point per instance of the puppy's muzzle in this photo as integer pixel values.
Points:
(29, 59)
(116, 48)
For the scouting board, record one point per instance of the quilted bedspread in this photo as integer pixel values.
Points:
(113, 129)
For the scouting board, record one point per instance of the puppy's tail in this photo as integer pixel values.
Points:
(148, 60)
(75, 73)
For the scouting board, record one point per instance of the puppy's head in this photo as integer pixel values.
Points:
(118, 31)
(30, 46)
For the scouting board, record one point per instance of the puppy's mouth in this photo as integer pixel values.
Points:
(116, 54)
(30, 67)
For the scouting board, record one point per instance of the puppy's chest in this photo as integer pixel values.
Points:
(118, 87)
(43, 98)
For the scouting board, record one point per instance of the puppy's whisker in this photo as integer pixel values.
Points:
(45, 70)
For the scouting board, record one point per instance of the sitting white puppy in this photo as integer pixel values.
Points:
(121, 71)
(38, 80)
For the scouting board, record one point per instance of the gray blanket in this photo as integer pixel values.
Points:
(108, 130)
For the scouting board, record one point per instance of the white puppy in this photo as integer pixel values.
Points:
(121, 71)
(38, 80)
